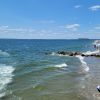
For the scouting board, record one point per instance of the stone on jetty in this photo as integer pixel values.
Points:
(69, 53)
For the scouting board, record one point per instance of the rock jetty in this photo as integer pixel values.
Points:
(77, 53)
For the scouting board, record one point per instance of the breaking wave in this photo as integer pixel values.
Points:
(92, 52)
(61, 65)
(84, 64)
(3, 53)
(55, 54)
(5, 78)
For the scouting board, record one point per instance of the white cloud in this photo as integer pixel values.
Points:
(22, 30)
(77, 6)
(3, 27)
(72, 27)
(65, 32)
(95, 7)
(58, 33)
(79, 34)
(97, 27)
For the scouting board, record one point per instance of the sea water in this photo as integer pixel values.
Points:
(28, 73)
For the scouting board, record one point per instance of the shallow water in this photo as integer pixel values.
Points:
(26, 73)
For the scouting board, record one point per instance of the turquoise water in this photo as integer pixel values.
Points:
(27, 73)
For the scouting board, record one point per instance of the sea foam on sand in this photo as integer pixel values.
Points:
(5, 77)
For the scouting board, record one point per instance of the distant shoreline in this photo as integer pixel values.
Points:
(47, 39)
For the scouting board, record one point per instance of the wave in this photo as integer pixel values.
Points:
(3, 53)
(96, 42)
(55, 54)
(84, 64)
(5, 78)
(92, 52)
(61, 65)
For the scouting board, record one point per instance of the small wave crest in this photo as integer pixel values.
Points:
(61, 65)
(53, 53)
(56, 54)
(84, 64)
(5, 78)
(3, 53)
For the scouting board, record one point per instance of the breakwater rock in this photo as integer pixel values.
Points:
(77, 53)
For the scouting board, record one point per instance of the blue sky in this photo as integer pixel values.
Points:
(49, 19)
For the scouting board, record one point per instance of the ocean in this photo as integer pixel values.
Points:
(28, 73)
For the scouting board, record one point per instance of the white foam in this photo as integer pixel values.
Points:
(2, 95)
(5, 77)
(2, 53)
(92, 52)
(61, 65)
(84, 64)
(53, 53)
(96, 42)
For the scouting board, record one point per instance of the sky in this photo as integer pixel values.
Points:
(50, 19)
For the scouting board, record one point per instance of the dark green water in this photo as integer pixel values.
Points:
(26, 73)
